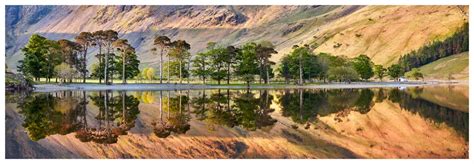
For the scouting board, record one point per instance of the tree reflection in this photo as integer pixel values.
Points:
(305, 106)
(230, 109)
(66, 112)
(117, 115)
(45, 114)
(177, 117)
(250, 113)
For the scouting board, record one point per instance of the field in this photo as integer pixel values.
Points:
(456, 65)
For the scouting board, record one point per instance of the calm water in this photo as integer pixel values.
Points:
(430, 122)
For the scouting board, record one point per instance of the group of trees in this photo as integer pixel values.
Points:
(177, 50)
(302, 64)
(457, 43)
(68, 59)
(220, 63)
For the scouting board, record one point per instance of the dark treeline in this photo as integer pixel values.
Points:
(457, 43)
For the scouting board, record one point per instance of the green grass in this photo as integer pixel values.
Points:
(440, 69)
(173, 81)
(274, 83)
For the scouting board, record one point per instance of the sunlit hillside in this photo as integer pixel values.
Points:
(382, 32)
(456, 66)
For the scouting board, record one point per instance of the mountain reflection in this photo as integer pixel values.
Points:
(103, 116)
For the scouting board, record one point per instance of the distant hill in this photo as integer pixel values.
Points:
(384, 33)
(456, 65)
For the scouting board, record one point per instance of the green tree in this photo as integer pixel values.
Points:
(127, 64)
(110, 37)
(34, 61)
(395, 71)
(379, 71)
(284, 69)
(416, 73)
(98, 40)
(85, 40)
(264, 51)
(343, 73)
(71, 54)
(98, 69)
(363, 65)
(247, 62)
(218, 57)
(201, 66)
(230, 60)
(304, 64)
(173, 67)
(53, 58)
(163, 42)
(180, 52)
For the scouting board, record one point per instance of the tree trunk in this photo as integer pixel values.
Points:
(168, 70)
(124, 58)
(189, 72)
(106, 65)
(84, 65)
(228, 73)
(301, 69)
(180, 72)
(161, 66)
(100, 61)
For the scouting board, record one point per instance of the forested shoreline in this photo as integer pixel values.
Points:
(65, 60)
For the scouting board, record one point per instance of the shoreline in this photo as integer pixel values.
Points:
(157, 87)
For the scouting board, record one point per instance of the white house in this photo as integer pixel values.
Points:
(402, 79)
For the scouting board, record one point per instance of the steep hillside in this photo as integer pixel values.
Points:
(456, 65)
(386, 32)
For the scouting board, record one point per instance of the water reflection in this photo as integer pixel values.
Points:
(116, 113)
(411, 102)
(305, 106)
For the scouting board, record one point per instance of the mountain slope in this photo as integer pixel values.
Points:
(387, 32)
(456, 65)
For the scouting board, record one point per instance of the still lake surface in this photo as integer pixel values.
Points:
(415, 122)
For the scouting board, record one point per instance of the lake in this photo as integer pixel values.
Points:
(414, 122)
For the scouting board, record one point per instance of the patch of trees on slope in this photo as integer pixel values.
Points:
(455, 44)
